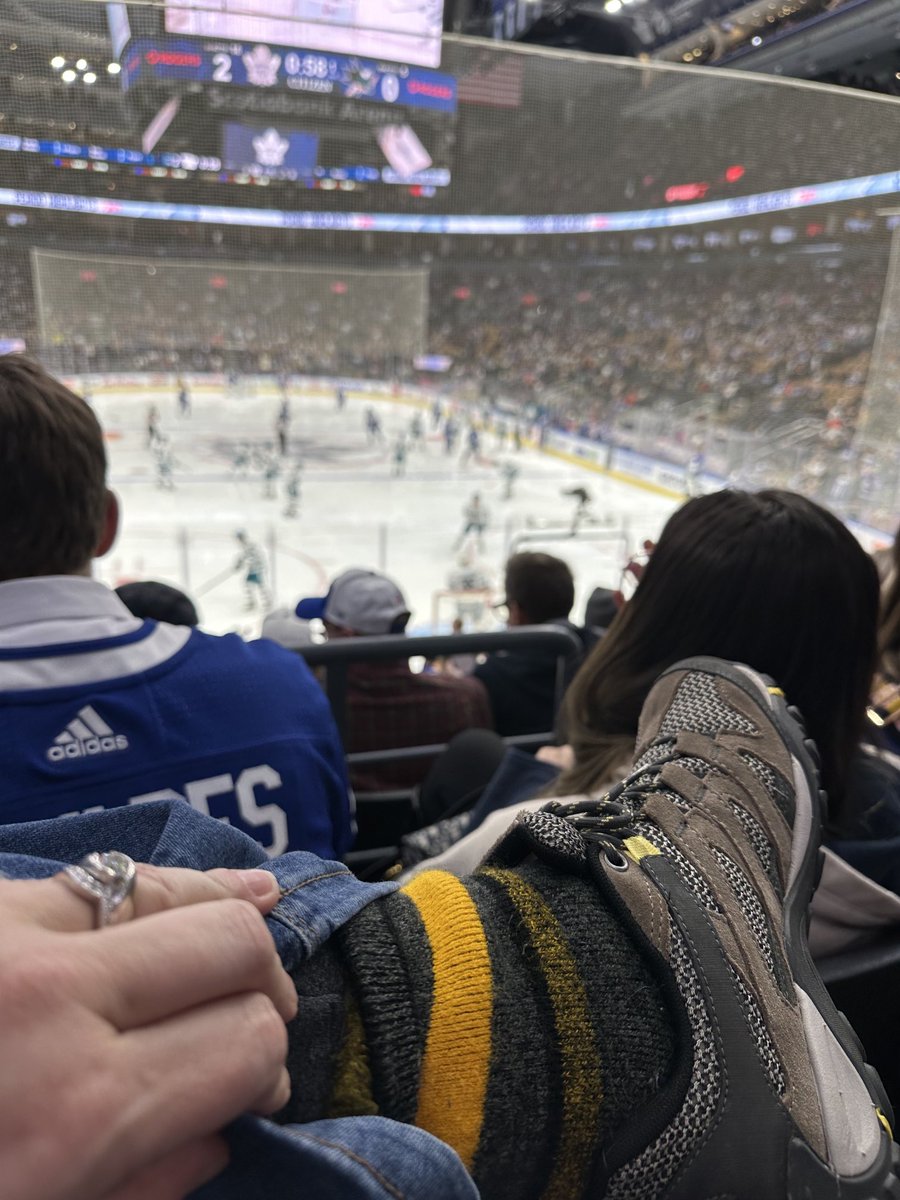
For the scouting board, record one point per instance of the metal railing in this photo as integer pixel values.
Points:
(337, 656)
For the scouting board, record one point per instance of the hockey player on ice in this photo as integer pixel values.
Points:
(509, 473)
(373, 426)
(292, 491)
(475, 520)
(469, 574)
(582, 507)
(399, 456)
(473, 444)
(340, 399)
(153, 430)
(417, 432)
(184, 399)
(270, 471)
(240, 460)
(252, 564)
(450, 432)
(165, 464)
(283, 427)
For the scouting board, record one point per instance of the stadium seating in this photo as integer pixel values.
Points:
(383, 817)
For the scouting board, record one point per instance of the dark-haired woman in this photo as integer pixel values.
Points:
(770, 579)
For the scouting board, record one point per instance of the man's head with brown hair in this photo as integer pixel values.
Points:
(539, 588)
(56, 513)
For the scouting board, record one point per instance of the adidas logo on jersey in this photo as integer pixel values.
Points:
(88, 734)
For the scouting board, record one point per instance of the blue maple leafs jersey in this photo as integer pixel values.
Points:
(238, 730)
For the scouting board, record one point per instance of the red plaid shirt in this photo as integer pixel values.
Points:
(388, 706)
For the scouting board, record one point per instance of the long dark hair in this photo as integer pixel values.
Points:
(889, 626)
(769, 579)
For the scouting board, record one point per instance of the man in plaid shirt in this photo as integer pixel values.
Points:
(388, 705)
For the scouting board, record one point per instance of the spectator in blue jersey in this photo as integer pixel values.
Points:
(99, 708)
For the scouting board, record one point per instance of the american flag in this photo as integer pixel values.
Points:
(494, 80)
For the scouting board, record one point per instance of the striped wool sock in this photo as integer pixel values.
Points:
(508, 1013)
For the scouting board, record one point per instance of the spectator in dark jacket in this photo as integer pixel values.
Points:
(521, 684)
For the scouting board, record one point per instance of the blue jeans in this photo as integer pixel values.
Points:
(354, 1158)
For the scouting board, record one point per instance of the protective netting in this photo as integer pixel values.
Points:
(134, 311)
(672, 274)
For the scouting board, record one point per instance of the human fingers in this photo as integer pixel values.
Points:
(198, 1071)
(147, 970)
(176, 1174)
(55, 904)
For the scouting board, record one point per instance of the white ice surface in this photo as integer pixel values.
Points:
(353, 512)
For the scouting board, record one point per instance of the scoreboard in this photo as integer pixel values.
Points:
(396, 30)
(260, 65)
(320, 113)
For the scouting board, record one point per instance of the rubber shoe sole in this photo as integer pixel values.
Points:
(851, 1094)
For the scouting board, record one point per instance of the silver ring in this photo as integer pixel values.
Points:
(107, 879)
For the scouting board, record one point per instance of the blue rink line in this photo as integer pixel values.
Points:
(783, 200)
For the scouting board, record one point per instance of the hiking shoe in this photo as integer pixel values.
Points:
(708, 853)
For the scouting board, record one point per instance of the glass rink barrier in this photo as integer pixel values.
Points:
(328, 280)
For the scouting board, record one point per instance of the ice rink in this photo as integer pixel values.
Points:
(353, 510)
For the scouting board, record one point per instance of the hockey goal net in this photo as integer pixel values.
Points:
(472, 606)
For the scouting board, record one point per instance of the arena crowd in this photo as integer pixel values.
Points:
(591, 976)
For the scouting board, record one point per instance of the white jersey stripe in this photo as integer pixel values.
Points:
(93, 666)
(91, 717)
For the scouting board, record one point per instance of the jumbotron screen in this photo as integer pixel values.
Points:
(406, 31)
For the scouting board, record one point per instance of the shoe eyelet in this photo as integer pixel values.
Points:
(614, 859)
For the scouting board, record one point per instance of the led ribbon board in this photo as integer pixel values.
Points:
(498, 226)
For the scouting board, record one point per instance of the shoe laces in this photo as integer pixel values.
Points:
(609, 820)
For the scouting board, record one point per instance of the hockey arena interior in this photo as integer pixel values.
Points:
(552, 293)
(435, 291)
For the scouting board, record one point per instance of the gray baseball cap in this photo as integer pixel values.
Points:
(287, 630)
(364, 601)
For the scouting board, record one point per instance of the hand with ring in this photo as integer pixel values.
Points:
(127, 1048)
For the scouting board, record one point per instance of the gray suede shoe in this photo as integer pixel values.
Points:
(708, 852)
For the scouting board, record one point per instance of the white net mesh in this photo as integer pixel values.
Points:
(125, 309)
(652, 280)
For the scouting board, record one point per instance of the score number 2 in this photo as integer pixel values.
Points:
(222, 68)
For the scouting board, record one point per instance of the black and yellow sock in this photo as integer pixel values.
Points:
(508, 1013)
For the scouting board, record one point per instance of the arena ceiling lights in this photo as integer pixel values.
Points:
(80, 69)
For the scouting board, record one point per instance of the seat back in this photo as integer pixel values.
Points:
(855, 939)
(384, 817)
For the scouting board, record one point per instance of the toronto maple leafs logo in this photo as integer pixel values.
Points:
(262, 66)
(270, 148)
(359, 80)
